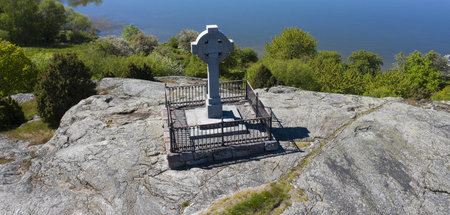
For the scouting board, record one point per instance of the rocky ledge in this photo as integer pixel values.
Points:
(107, 157)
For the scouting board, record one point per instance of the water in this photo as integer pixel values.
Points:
(385, 27)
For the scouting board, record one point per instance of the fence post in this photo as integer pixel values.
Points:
(257, 103)
(246, 87)
(172, 137)
(223, 143)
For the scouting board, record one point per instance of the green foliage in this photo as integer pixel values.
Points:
(184, 39)
(142, 43)
(16, 70)
(292, 72)
(37, 133)
(28, 22)
(263, 78)
(263, 202)
(443, 95)
(133, 71)
(29, 109)
(235, 65)
(11, 114)
(62, 85)
(20, 18)
(196, 68)
(422, 71)
(78, 28)
(53, 17)
(291, 43)
(129, 31)
(112, 46)
(365, 62)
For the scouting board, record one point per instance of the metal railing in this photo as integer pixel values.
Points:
(195, 95)
(223, 133)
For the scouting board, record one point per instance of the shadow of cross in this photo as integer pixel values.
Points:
(212, 47)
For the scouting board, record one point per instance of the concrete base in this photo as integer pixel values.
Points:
(199, 116)
(195, 158)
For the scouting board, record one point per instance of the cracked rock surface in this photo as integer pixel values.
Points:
(107, 157)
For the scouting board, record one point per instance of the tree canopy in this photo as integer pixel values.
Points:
(291, 43)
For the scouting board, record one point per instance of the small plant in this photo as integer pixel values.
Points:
(6, 160)
(185, 204)
(11, 114)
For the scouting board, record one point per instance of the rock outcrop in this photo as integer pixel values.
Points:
(107, 157)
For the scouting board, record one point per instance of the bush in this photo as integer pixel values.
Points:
(443, 95)
(132, 71)
(112, 46)
(62, 85)
(184, 39)
(196, 68)
(142, 43)
(263, 78)
(129, 31)
(17, 73)
(293, 73)
(11, 115)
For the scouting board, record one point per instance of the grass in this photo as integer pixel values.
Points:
(32, 51)
(6, 160)
(262, 202)
(37, 132)
(29, 109)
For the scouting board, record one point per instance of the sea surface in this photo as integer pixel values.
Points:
(385, 27)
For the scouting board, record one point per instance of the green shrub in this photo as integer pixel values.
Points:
(11, 115)
(144, 72)
(443, 95)
(196, 68)
(112, 46)
(62, 85)
(142, 43)
(184, 39)
(17, 73)
(293, 73)
(263, 78)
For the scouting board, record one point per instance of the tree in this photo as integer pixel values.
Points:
(78, 28)
(20, 18)
(143, 43)
(53, 17)
(291, 43)
(365, 62)
(16, 71)
(184, 39)
(62, 85)
(129, 31)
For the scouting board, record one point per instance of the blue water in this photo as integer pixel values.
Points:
(385, 27)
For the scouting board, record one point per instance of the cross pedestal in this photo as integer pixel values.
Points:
(212, 47)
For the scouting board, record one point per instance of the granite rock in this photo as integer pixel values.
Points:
(108, 157)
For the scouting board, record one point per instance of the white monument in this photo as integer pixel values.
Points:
(212, 46)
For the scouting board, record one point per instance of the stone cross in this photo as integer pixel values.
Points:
(212, 47)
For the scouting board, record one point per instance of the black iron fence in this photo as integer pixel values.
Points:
(223, 133)
(195, 95)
